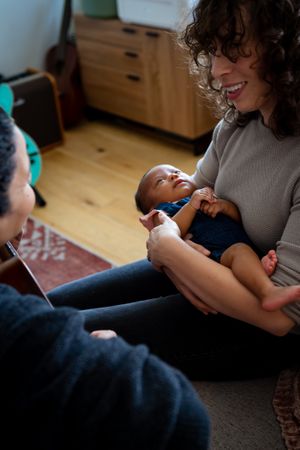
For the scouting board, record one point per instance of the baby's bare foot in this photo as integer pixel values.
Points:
(281, 296)
(269, 262)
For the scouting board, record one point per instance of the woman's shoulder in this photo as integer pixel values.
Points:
(232, 132)
(223, 131)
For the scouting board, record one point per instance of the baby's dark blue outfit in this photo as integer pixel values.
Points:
(215, 234)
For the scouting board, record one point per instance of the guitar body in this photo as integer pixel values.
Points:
(67, 77)
(15, 272)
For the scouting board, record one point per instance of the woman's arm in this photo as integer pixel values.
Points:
(201, 279)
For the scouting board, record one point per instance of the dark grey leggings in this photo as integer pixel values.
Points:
(143, 306)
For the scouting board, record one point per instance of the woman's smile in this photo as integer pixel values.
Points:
(233, 91)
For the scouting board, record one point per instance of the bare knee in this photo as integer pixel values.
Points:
(232, 252)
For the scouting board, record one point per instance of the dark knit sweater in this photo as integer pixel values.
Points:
(63, 389)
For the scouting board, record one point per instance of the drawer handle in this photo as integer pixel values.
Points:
(133, 77)
(129, 30)
(153, 34)
(131, 54)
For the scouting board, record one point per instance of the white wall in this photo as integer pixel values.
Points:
(28, 28)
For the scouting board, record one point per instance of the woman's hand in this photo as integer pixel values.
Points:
(198, 247)
(166, 228)
(149, 220)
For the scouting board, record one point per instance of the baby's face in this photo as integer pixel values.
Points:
(165, 183)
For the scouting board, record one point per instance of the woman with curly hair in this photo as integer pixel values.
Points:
(192, 311)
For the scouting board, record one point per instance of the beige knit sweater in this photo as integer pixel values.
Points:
(261, 175)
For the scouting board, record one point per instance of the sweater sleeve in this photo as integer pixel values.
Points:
(62, 388)
(288, 251)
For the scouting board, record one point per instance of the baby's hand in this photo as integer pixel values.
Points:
(200, 196)
(211, 209)
(148, 220)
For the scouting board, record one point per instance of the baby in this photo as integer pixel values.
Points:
(215, 224)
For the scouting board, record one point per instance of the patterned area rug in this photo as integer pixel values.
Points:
(54, 259)
(286, 403)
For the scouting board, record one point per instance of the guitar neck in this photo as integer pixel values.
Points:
(61, 48)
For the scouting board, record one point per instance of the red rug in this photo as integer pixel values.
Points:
(54, 259)
(286, 404)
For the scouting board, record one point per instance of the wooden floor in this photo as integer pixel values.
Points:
(90, 181)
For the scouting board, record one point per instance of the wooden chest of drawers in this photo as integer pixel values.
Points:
(140, 73)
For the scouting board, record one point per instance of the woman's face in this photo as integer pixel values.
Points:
(241, 82)
(21, 195)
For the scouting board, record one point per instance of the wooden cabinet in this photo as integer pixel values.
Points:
(140, 73)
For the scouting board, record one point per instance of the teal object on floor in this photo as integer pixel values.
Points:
(7, 102)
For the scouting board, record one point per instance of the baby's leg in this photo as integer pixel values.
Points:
(249, 270)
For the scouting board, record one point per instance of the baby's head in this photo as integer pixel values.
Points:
(162, 183)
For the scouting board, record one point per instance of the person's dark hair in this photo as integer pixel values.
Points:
(7, 158)
(139, 202)
(275, 25)
(142, 201)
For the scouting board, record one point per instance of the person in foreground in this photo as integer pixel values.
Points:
(215, 224)
(63, 388)
(247, 56)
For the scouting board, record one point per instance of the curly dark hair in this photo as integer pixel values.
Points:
(7, 158)
(275, 26)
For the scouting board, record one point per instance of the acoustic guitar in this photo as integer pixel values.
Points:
(62, 62)
(15, 272)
